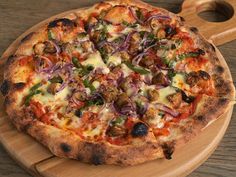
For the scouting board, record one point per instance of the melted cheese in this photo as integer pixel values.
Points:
(163, 93)
(126, 70)
(91, 132)
(96, 61)
(179, 81)
(114, 59)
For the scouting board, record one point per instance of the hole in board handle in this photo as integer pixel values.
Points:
(215, 11)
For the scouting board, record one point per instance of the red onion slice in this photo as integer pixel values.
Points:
(166, 109)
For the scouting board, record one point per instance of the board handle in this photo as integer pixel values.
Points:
(218, 32)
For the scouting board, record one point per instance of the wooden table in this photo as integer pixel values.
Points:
(18, 16)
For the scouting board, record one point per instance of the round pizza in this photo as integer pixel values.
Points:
(121, 82)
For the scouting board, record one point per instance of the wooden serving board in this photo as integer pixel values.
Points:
(38, 161)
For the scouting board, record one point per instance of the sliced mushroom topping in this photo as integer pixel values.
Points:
(175, 99)
(116, 131)
(49, 48)
(39, 48)
(53, 88)
(134, 43)
(194, 78)
(153, 95)
(123, 104)
(159, 79)
(109, 92)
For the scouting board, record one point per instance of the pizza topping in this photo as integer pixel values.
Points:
(175, 99)
(139, 129)
(124, 105)
(137, 69)
(194, 78)
(33, 91)
(153, 95)
(160, 79)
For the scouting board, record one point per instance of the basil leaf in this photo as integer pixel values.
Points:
(139, 15)
(98, 100)
(188, 55)
(125, 23)
(137, 69)
(104, 54)
(35, 87)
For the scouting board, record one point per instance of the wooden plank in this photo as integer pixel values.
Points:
(184, 161)
(24, 149)
(218, 32)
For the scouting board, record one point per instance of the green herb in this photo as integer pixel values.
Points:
(137, 69)
(161, 114)
(104, 54)
(87, 84)
(119, 120)
(139, 15)
(50, 35)
(82, 35)
(150, 36)
(131, 25)
(103, 33)
(56, 79)
(33, 91)
(187, 55)
(76, 62)
(171, 74)
(82, 70)
(35, 87)
(95, 101)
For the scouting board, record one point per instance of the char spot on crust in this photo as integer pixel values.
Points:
(7, 101)
(19, 85)
(10, 59)
(63, 21)
(182, 18)
(65, 147)
(168, 149)
(5, 87)
(27, 37)
(25, 127)
(80, 157)
(194, 29)
(222, 101)
(97, 159)
(200, 118)
(219, 69)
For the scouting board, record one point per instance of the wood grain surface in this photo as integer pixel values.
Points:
(18, 16)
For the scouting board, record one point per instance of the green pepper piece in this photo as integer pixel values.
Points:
(87, 84)
(137, 69)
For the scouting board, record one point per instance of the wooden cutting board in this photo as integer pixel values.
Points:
(38, 161)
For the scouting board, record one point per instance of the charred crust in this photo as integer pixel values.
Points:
(182, 18)
(19, 86)
(5, 87)
(80, 157)
(97, 159)
(65, 147)
(27, 37)
(25, 127)
(97, 152)
(220, 69)
(7, 101)
(63, 21)
(10, 60)
(212, 47)
(200, 118)
(194, 29)
(222, 101)
(168, 149)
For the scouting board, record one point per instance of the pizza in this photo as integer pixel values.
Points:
(121, 82)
